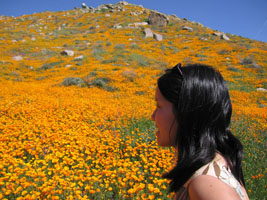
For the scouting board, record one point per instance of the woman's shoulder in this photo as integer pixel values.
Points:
(215, 181)
(209, 187)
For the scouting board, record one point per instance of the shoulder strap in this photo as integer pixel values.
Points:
(220, 171)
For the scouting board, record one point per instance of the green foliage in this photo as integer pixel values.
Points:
(224, 52)
(240, 86)
(108, 44)
(73, 81)
(47, 66)
(102, 82)
(252, 136)
(98, 52)
(246, 61)
(143, 125)
(233, 69)
(119, 46)
(200, 55)
(139, 59)
(134, 46)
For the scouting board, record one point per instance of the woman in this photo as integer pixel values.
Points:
(193, 115)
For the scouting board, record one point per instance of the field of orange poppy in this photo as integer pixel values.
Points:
(79, 127)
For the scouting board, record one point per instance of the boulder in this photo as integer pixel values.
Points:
(133, 13)
(157, 36)
(138, 24)
(225, 37)
(261, 90)
(124, 3)
(158, 19)
(78, 58)
(187, 28)
(67, 53)
(17, 58)
(117, 26)
(148, 33)
(84, 6)
(221, 35)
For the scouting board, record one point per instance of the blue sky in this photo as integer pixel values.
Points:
(247, 18)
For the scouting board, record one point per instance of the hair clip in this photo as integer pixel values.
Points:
(177, 69)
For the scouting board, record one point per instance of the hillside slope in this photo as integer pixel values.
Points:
(77, 91)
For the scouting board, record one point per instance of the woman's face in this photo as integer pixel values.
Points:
(165, 121)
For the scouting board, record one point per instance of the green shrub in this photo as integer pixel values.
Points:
(108, 44)
(134, 46)
(47, 66)
(98, 52)
(139, 59)
(119, 46)
(246, 61)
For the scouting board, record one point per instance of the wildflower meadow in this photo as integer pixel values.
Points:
(79, 126)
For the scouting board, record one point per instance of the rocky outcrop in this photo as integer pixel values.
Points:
(157, 36)
(158, 19)
(117, 26)
(17, 58)
(124, 3)
(221, 35)
(84, 6)
(79, 58)
(148, 33)
(67, 53)
(187, 28)
(137, 24)
(261, 90)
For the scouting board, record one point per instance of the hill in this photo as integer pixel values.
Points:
(77, 91)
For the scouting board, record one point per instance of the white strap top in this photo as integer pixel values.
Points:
(218, 170)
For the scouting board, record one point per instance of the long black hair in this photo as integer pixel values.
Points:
(203, 109)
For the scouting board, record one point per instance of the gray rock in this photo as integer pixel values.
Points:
(187, 28)
(217, 34)
(78, 58)
(261, 90)
(157, 36)
(255, 66)
(133, 13)
(84, 6)
(225, 37)
(148, 33)
(109, 6)
(17, 58)
(67, 53)
(138, 24)
(124, 3)
(221, 35)
(157, 19)
(117, 26)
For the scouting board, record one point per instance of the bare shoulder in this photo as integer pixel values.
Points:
(206, 187)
